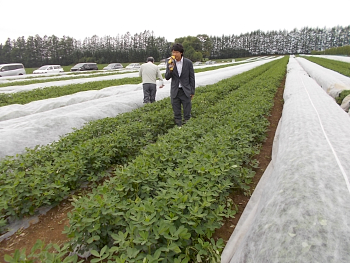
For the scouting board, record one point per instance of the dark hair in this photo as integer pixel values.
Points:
(150, 59)
(178, 47)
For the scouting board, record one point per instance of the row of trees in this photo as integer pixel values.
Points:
(36, 51)
(282, 42)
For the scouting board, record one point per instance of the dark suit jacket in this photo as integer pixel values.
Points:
(187, 78)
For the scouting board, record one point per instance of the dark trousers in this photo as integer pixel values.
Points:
(149, 92)
(181, 99)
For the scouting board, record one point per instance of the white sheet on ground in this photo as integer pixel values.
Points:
(300, 210)
(42, 122)
(17, 110)
(332, 82)
(19, 88)
(333, 57)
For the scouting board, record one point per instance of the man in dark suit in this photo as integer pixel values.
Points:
(181, 73)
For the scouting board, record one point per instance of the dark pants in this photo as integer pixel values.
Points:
(149, 92)
(181, 99)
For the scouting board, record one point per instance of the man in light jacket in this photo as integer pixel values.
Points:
(149, 74)
(181, 73)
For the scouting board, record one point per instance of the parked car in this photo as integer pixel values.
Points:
(133, 66)
(197, 63)
(13, 69)
(113, 66)
(210, 62)
(84, 66)
(49, 69)
(162, 65)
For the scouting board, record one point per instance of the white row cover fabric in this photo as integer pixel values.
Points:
(17, 110)
(332, 82)
(29, 77)
(300, 210)
(334, 57)
(94, 76)
(45, 121)
(122, 74)
(19, 88)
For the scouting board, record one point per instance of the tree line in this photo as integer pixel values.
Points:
(36, 51)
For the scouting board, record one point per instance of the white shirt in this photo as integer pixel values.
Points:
(179, 68)
(179, 65)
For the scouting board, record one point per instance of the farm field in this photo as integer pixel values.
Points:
(95, 75)
(215, 88)
(53, 82)
(239, 199)
(31, 124)
(50, 226)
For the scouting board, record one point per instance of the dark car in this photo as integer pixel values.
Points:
(84, 66)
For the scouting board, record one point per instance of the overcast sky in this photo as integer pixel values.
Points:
(169, 19)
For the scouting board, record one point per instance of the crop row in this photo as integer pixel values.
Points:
(338, 66)
(46, 175)
(58, 91)
(79, 75)
(167, 202)
(40, 79)
(229, 86)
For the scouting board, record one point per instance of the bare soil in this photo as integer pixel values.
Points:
(50, 226)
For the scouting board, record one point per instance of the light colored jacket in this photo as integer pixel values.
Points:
(150, 73)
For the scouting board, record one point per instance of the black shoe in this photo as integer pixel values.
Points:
(185, 121)
(178, 123)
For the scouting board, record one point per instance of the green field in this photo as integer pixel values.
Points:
(169, 189)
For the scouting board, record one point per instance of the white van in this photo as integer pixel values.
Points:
(13, 69)
(49, 69)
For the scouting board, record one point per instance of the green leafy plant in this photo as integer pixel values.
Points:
(45, 175)
(342, 96)
(50, 253)
(174, 194)
(168, 195)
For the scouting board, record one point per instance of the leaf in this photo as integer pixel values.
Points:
(157, 253)
(56, 247)
(90, 240)
(103, 250)
(132, 252)
(174, 248)
(8, 258)
(95, 253)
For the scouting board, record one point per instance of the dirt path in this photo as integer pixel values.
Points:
(50, 226)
